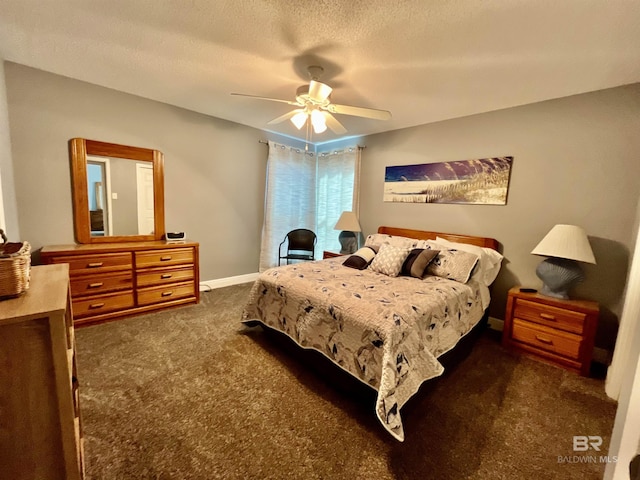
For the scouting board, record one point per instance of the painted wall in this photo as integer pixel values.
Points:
(8, 208)
(575, 161)
(214, 169)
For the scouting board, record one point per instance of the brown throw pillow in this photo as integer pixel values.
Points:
(361, 259)
(417, 262)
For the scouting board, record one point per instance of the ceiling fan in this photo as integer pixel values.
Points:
(315, 108)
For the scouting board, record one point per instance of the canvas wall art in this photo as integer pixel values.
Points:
(484, 181)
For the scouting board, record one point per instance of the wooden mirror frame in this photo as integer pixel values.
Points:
(79, 149)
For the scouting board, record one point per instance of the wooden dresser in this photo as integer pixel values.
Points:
(40, 431)
(110, 280)
(558, 331)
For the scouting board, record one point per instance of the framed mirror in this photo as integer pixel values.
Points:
(118, 192)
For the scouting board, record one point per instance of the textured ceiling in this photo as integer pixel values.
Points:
(423, 60)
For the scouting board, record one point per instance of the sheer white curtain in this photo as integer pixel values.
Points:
(290, 198)
(338, 185)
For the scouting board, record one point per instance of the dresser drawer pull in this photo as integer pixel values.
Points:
(167, 294)
(166, 275)
(96, 285)
(96, 305)
(95, 264)
(165, 258)
(548, 341)
(547, 316)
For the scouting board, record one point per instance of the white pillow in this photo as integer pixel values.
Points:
(453, 264)
(389, 260)
(490, 260)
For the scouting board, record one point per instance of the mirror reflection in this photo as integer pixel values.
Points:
(120, 196)
(118, 192)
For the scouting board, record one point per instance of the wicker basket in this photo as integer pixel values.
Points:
(15, 266)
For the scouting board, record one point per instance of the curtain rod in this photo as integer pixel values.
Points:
(267, 143)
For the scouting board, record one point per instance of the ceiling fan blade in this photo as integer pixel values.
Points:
(334, 124)
(288, 102)
(319, 91)
(359, 111)
(286, 116)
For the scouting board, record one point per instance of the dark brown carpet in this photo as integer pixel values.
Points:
(193, 394)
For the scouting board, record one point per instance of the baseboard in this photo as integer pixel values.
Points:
(600, 355)
(496, 324)
(207, 285)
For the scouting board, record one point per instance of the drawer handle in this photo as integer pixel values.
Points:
(166, 275)
(96, 305)
(167, 294)
(95, 265)
(96, 285)
(165, 258)
(548, 341)
(547, 316)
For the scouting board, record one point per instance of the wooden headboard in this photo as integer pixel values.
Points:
(452, 237)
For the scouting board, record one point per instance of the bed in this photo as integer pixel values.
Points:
(386, 330)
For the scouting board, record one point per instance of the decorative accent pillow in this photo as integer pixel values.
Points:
(417, 262)
(453, 264)
(389, 260)
(490, 260)
(361, 259)
(394, 240)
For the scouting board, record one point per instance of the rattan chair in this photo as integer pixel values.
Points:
(301, 246)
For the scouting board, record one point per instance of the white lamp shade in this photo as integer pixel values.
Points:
(299, 119)
(318, 121)
(566, 241)
(348, 222)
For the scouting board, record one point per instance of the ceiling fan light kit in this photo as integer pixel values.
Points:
(299, 119)
(315, 108)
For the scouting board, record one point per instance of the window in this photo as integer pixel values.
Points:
(307, 191)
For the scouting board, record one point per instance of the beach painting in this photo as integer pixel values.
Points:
(484, 181)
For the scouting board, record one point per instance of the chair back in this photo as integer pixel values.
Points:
(301, 239)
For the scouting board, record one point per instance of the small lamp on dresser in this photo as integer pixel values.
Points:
(565, 246)
(348, 223)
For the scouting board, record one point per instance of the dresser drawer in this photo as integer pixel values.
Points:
(109, 302)
(165, 293)
(97, 284)
(558, 342)
(164, 276)
(93, 264)
(164, 257)
(551, 316)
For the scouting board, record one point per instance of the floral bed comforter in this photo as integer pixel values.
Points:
(385, 331)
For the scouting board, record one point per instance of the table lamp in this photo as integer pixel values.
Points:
(348, 223)
(565, 245)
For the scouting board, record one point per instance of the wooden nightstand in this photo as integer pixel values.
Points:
(327, 254)
(557, 331)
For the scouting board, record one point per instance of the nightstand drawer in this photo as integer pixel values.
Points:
(558, 342)
(550, 316)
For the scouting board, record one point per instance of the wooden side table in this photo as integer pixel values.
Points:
(561, 332)
(327, 254)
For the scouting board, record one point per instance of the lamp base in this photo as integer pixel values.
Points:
(558, 275)
(348, 242)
